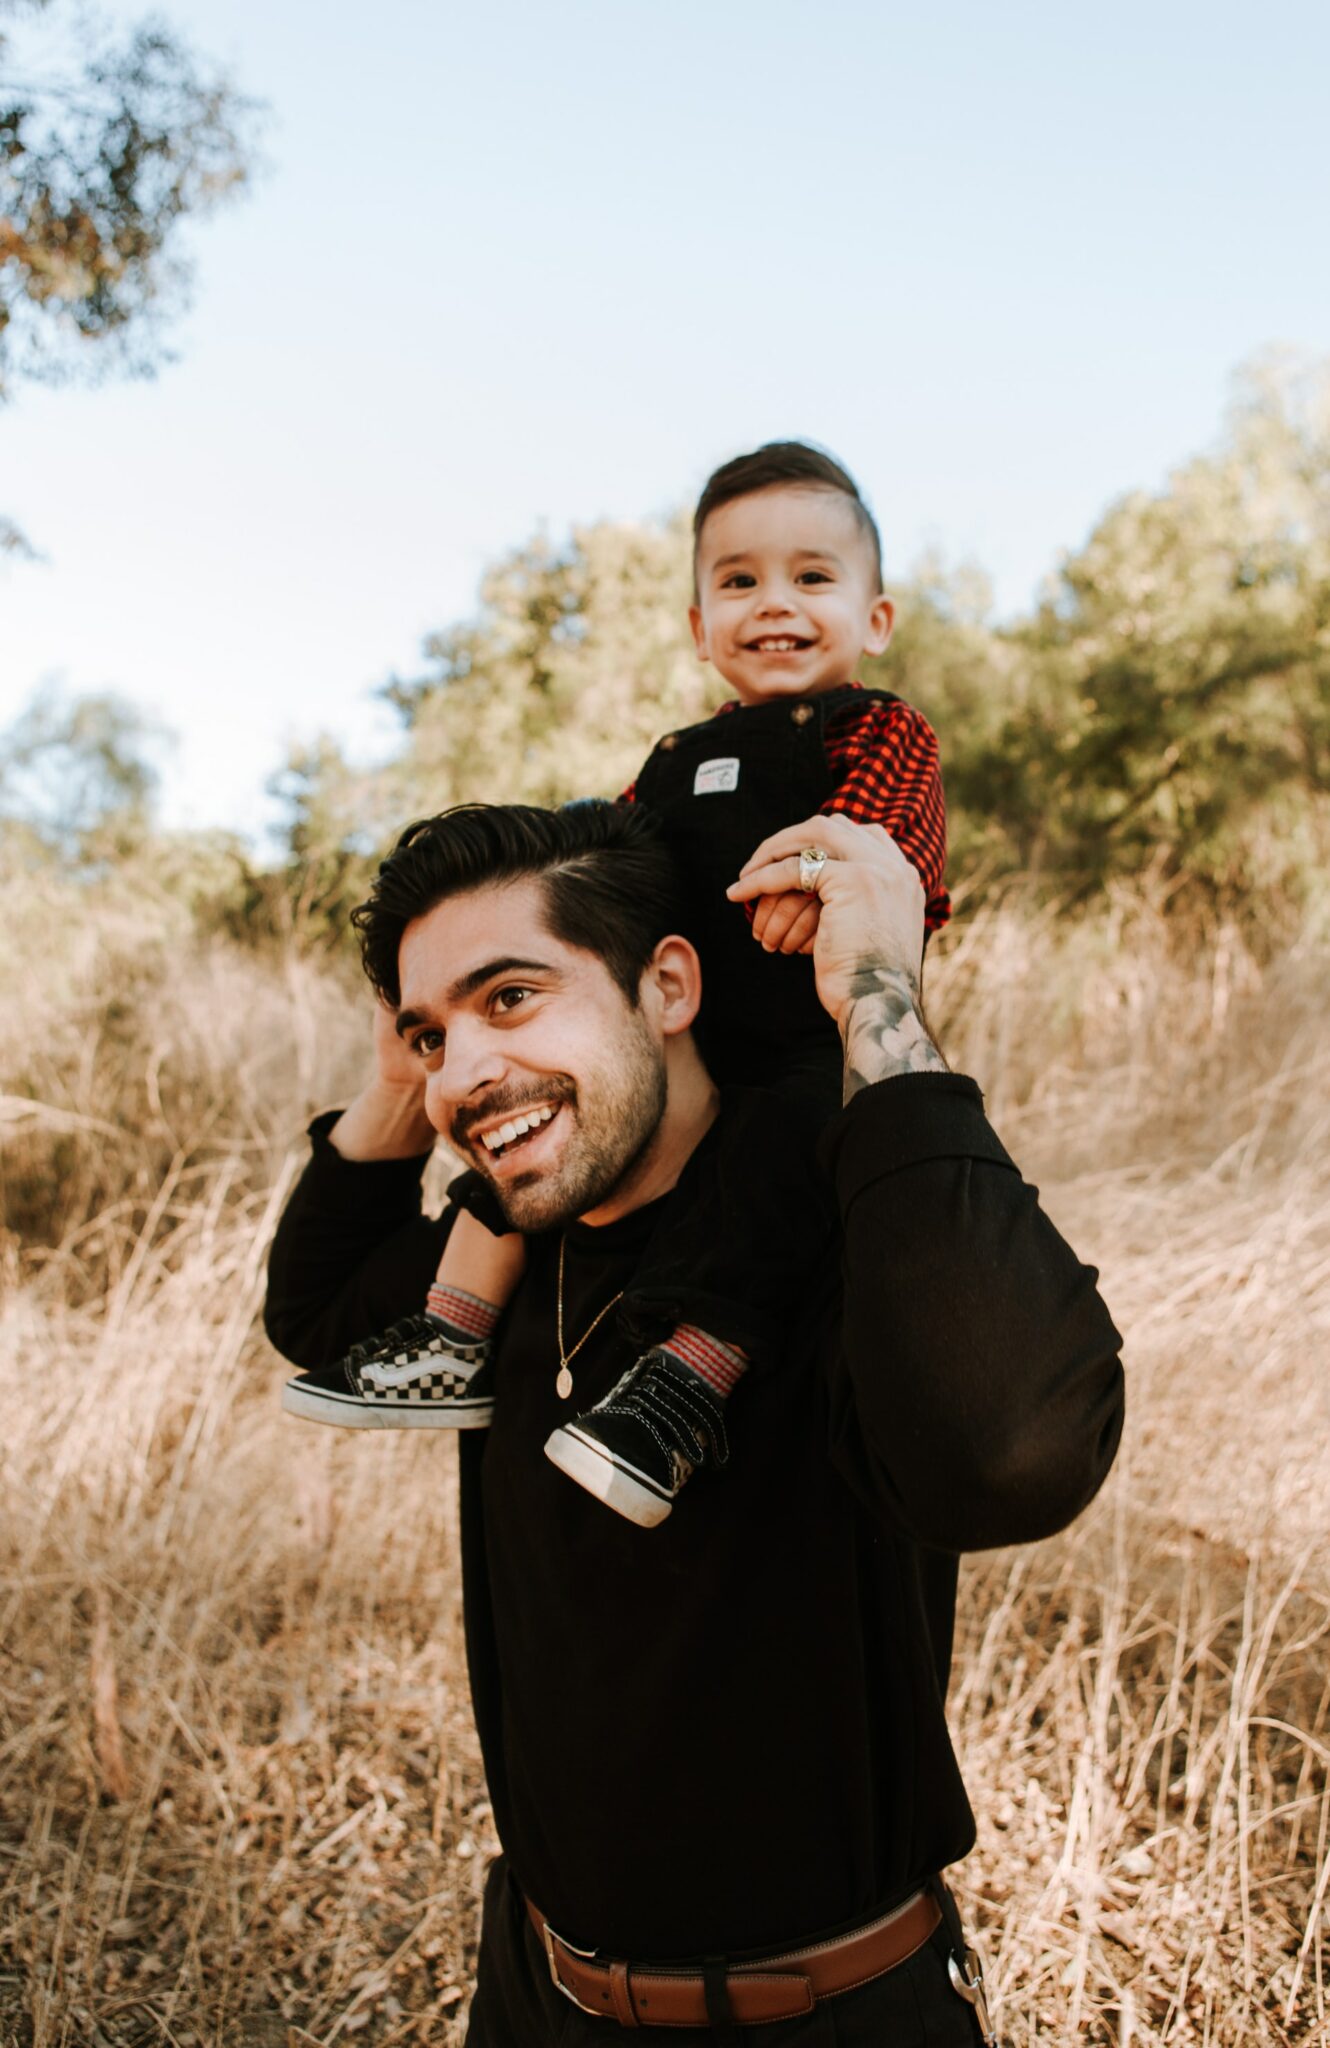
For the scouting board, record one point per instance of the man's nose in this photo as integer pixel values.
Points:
(473, 1063)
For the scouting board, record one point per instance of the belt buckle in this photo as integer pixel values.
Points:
(588, 1955)
(968, 1980)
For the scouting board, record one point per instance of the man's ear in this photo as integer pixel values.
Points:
(880, 622)
(699, 632)
(672, 984)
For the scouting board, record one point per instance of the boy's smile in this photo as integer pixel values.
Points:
(787, 596)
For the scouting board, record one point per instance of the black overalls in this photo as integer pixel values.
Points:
(751, 1210)
(722, 787)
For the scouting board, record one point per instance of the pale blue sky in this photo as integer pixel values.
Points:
(520, 263)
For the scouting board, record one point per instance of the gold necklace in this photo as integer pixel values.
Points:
(564, 1383)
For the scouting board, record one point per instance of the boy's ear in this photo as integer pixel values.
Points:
(699, 632)
(881, 619)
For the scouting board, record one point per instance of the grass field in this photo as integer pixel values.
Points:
(240, 1800)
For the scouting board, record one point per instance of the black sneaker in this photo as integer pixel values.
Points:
(416, 1376)
(635, 1449)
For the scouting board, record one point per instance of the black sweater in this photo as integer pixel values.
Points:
(728, 1732)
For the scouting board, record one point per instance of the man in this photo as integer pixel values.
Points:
(717, 1755)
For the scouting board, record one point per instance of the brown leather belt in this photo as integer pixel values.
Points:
(777, 1987)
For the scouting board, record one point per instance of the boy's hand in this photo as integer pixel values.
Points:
(872, 907)
(787, 923)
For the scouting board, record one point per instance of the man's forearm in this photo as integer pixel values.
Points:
(883, 1030)
(988, 1391)
(383, 1123)
(352, 1252)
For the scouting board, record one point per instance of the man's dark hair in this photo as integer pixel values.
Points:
(783, 462)
(610, 882)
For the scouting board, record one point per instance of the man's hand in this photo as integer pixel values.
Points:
(387, 1119)
(868, 947)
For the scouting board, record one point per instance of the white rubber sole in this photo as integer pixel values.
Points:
(344, 1411)
(622, 1488)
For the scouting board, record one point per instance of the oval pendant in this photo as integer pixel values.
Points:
(564, 1384)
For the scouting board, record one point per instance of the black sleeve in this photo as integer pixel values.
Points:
(981, 1363)
(352, 1252)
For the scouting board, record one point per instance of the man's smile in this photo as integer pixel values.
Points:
(499, 1137)
(521, 1134)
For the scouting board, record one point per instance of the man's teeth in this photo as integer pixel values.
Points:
(494, 1141)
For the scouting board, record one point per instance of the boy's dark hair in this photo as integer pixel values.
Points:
(783, 462)
(610, 881)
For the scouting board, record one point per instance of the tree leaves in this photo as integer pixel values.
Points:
(104, 152)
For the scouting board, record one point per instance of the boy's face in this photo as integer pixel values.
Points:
(787, 596)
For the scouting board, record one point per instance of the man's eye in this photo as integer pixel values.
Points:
(511, 997)
(426, 1042)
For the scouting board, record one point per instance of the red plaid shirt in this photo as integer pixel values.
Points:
(884, 760)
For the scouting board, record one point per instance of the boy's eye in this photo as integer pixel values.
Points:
(814, 576)
(739, 579)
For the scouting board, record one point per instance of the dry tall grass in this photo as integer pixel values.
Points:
(239, 1792)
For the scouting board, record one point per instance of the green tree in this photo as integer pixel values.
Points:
(77, 779)
(107, 147)
(1176, 699)
(103, 156)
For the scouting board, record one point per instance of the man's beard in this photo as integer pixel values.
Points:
(611, 1131)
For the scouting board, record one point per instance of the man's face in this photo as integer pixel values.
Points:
(787, 596)
(512, 1024)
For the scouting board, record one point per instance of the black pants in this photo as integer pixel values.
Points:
(517, 2006)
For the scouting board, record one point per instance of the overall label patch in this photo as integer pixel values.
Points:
(713, 777)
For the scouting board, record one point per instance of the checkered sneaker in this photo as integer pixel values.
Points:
(415, 1376)
(638, 1448)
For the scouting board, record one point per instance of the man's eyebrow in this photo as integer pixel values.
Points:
(467, 984)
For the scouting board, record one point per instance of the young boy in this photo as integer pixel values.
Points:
(788, 596)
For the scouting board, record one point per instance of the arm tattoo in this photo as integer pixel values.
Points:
(883, 1029)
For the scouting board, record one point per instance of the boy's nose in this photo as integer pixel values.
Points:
(774, 604)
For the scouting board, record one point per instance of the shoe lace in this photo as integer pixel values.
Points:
(677, 1403)
(412, 1330)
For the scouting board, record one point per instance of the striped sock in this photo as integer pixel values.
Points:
(463, 1317)
(718, 1365)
